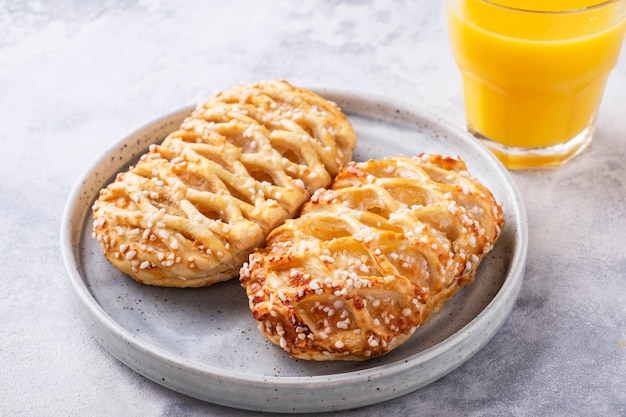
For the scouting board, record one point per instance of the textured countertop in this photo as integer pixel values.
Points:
(75, 77)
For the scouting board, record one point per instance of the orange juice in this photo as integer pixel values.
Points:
(533, 80)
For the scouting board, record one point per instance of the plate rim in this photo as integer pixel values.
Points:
(93, 314)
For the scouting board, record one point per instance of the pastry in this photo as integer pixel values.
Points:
(369, 260)
(191, 210)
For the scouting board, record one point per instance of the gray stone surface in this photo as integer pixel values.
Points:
(75, 77)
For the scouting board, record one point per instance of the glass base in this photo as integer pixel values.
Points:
(532, 158)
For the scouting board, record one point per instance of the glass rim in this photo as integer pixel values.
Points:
(555, 12)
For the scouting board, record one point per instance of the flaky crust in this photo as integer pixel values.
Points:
(192, 209)
(369, 260)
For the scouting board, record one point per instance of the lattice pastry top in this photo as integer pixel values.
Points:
(192, 209)
(369, 260)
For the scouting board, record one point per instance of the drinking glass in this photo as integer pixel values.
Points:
(534, 73)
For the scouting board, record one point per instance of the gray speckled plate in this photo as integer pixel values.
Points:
(204, 342)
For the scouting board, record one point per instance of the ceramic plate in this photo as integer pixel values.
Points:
(204, 342)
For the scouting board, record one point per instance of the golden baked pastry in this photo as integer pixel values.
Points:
(192, 209)
(369, 260)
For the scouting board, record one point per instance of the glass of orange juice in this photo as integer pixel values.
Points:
(534, 72)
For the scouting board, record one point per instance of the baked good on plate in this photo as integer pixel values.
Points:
(193, 207)
(369, 260)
